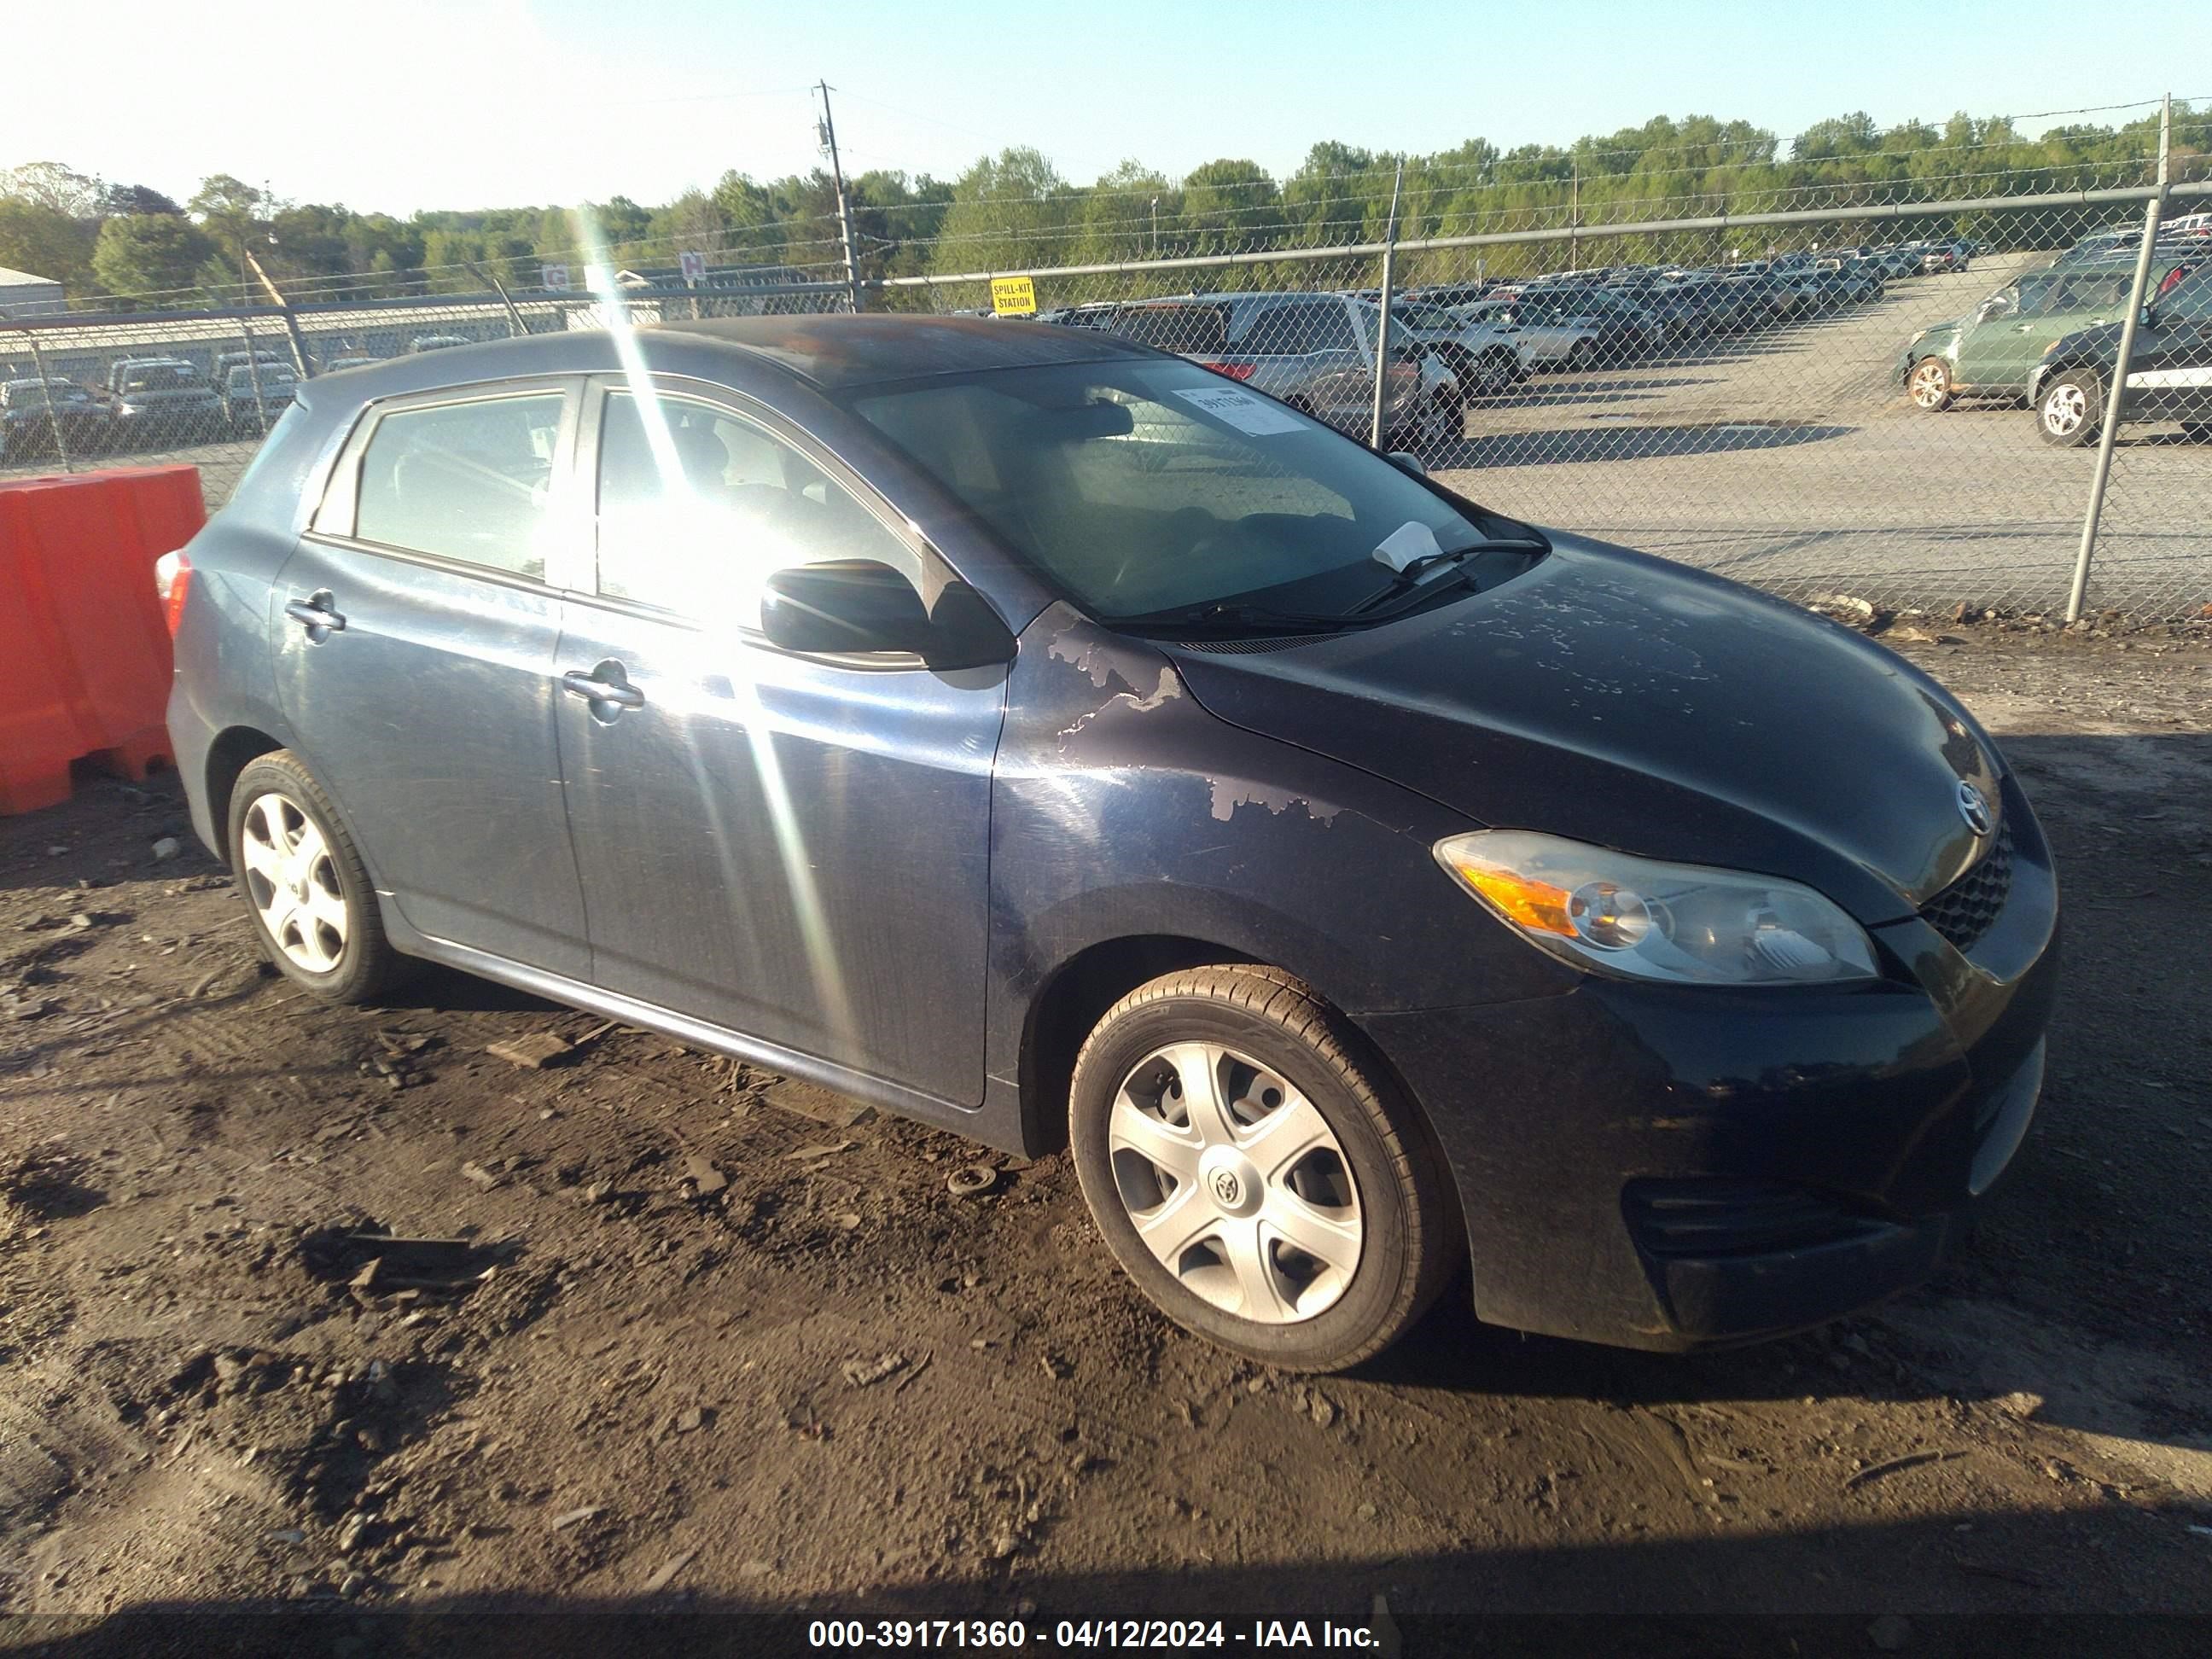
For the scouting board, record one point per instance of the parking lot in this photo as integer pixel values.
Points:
(713, 1338)
(1792, 459)
(1788, 457)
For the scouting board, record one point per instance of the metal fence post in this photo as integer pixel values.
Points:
(2153, 213)
(515, 325)
(53, 415)
(1383, 325)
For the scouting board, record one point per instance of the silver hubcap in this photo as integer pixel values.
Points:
(293, 883)
(1928, 388)
(2065, 409)
(1235, 1182)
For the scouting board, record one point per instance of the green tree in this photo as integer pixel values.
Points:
(1230, 206)
(50, 185)
(1008, 210)
(44, 241)
(137, 198)
(149, 254)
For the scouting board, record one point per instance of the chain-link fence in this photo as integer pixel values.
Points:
(1829, 397)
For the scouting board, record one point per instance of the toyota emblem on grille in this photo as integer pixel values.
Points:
(1973, 809)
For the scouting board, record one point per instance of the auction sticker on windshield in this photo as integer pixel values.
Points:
(1241, 410)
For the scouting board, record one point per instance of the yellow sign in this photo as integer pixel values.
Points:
(1013, 296)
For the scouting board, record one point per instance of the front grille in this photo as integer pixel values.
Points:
(1719, 1216)
(1963, 912)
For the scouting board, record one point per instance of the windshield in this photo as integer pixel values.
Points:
(1138, 487)
(156, 377)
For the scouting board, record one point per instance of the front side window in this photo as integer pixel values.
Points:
(1299, 328)
(470, 481)
(697, 509)
(1140, 486)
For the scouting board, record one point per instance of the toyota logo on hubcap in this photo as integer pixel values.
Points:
(1224, 1185)
(1973, 809)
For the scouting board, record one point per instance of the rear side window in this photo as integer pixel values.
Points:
(1182, 329)
(1298, 329)
(471, 482)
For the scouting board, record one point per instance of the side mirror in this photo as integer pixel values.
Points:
(860, 605)
(1411, 462)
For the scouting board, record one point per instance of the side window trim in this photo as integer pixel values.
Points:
(737, 406)
(337, 518)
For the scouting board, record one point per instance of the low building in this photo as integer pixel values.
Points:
(22, 294)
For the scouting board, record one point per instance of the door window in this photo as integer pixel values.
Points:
(697, 509)
(1298, 329)
(470, 481)
(2191, 298)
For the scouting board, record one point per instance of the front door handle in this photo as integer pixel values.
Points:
(315, 613)
(605, 682)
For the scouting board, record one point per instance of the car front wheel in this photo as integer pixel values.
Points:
(1929, 385)
(314, 909)
(1256, 1172)
(2071, 407)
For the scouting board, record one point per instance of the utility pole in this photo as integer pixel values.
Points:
(1156, 226)
(826, 132)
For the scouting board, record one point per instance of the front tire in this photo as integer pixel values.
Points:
(312, 906)
(2071, 407)
(1253, 1169)
(1928, 384)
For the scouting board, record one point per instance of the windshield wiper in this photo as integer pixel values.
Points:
(1232, 613)
(1407, 577)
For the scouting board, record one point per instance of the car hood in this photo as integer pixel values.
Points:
(1627, 701)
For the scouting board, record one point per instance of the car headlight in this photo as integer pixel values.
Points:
(1636, 918)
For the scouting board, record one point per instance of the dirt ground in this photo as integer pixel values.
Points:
(713, 1339)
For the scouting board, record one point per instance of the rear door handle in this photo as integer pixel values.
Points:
(588, 684)
(314, 614)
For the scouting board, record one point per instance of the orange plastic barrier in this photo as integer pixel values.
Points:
(80, 627)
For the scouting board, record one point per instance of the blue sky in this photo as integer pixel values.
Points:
(459, 103)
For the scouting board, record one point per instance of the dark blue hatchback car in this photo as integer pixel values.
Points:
(1038, 735)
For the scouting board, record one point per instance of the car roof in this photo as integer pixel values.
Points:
(827, 351)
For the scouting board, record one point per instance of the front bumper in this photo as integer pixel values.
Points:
(1670, 1167)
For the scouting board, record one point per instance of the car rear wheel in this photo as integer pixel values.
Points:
(313, 909)
(1929, 385)
(1582, 356)
(2071, 407)
(1255, 1171)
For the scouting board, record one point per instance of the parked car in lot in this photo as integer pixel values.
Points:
(1848, 281)
(1314, 351)
(1545, 339)
(30, 410)
(1991, 351)
(337, 364)
(162, 400)
(225, 362)
(1221, 815)
(251, 403)
(437, 342)
(1484, 357)
(2169, 373)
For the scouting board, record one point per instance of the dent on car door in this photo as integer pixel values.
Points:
(414, 628)
(790, 847)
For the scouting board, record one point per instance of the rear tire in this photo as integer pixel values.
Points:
(313, 907)
(1286, 1132)
(2071, 409)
